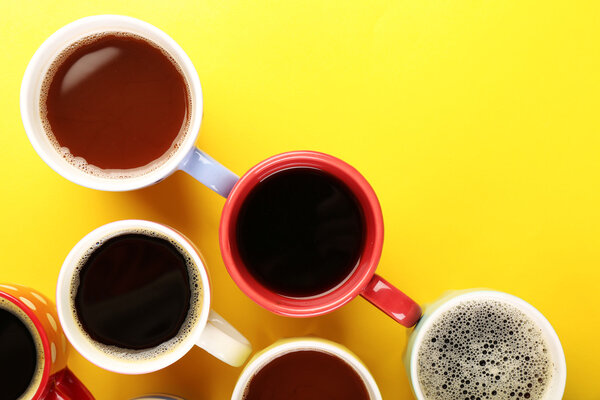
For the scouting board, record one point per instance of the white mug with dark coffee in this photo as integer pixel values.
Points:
(484, 344)
(134, 297)
(306, 368)
(113, 103)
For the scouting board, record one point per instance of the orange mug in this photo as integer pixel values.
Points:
(22, 311)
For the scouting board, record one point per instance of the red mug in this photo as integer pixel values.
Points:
(52, 380)
(362, 281)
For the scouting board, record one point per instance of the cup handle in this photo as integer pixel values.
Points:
(66, 386)
(209, 172)
(223, 341)
(392, 301)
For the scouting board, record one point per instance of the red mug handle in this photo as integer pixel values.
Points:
(65, 386)
(392, 301)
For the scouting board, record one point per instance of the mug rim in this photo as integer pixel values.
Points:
(81, 342)
(292, 345)
(345, 291)
(43, 338)
(34, 77)
(450, 300)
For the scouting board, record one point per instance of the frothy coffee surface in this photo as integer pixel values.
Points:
(484, 349)
(115, 105)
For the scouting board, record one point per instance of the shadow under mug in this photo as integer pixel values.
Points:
(286, 346)
(57, 382)
(363, 279)
(448, 301)
(209, 330)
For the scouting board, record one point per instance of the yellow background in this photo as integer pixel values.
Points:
(476, 122)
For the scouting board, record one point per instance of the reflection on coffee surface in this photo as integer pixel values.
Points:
(300, 232)
(136, 290)
(115, 101)
(484, 349)
(306, 374)
(21, 359)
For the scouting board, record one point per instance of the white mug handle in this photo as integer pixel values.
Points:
(209, 172)
(223, 341)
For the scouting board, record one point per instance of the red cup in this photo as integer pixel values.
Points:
(57, 382)
(362, 281)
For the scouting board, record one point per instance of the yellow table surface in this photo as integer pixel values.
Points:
(476, 122)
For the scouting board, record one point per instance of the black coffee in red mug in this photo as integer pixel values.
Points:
(301, 234)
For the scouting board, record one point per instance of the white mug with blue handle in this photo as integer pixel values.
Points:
(186, 157)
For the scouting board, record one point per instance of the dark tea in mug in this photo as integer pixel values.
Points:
(300, 232)
(306, 374)
(21, 353)
(115, 104)
(137, 291)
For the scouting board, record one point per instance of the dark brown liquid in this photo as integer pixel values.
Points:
(300, 232)
(306, 375)
(18, 356)
(117, 101)
(134, 292)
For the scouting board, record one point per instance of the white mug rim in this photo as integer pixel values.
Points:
(303, 344)
(556, 390)
(80, 341)
(38, 65)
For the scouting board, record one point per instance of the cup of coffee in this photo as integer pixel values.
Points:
(134, 297)
(158, 397)
(113, 103)
(306, 368)
(301, 234)
(484, 344)
(33, 349)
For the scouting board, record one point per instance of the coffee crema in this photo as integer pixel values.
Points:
(136, 295)
(300, 232)
(21, 354)
(484, 349)
(115, 105)
(306, 374)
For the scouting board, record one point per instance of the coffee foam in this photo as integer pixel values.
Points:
(39, 348)
(484, 349)
(80, 162)
(190, 322)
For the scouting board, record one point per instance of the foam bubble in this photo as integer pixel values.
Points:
(484, 349)
(79, 162)
(39, 348)
(188, 325)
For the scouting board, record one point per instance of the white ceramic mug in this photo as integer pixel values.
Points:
(286, 346)
(187, 157)
(451, 299)
(210, 331)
